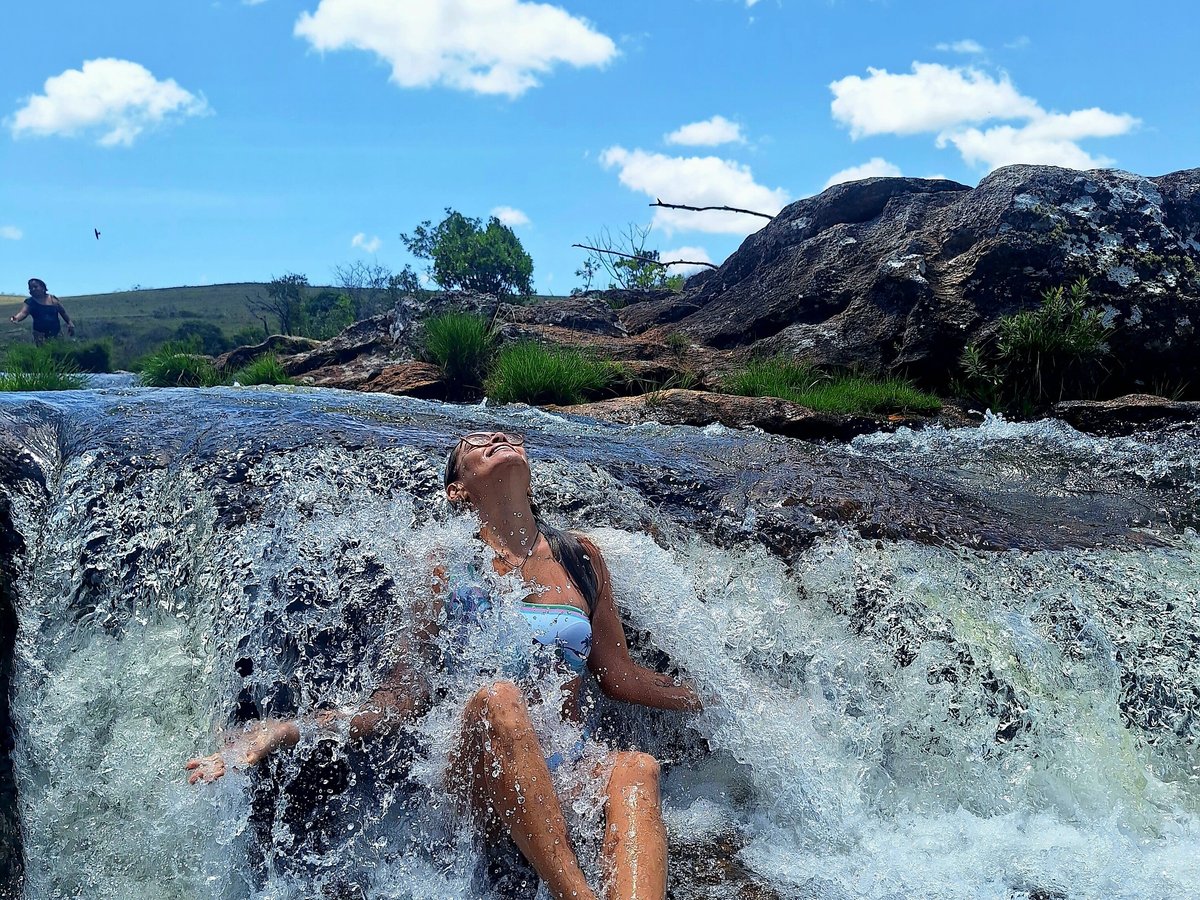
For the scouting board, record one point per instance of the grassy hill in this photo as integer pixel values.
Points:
(138, 321)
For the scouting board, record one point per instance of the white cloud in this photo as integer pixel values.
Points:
(368, 245)
(709, 133)
(696, 181)
(876, 167)
(955, 103)
(485, 46)
(966, 46)
(1046, 140)
(932, 97)
(692, 254)
(510, 216)
(252, 2)
(11, 233)
(1020, 43)
(116, 97)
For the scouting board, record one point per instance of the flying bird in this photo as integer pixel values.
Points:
(97, 230)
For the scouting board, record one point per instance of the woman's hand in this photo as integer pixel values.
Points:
(243, 749)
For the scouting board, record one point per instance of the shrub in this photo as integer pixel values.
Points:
(29, 368)
(264, 370)
(531, 373)
(1040, 356)
(467, 254)
(837, 393)
(178, 365)
(461, 345)
(325, 315)
(94, 356)
(248, 336)
(205, 336)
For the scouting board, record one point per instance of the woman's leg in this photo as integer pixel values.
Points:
(635, 838)
(499, 764)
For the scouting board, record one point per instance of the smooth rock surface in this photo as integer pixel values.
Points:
(1125, 415)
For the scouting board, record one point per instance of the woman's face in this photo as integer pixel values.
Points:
(36, 289)
(490, 462)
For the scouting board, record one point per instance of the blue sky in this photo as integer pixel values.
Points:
(233, 141)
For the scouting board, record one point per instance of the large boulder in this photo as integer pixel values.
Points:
(896, 275)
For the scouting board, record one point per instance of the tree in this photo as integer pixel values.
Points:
(466, 254)
(326, 314)
(284, 301)
(206, 337)
(365, 283)
(643, 273)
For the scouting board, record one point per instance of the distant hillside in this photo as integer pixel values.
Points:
(139, 321)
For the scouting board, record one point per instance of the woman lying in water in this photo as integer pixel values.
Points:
(499, 767)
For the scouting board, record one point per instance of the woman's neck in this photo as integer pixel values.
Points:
(509, 529)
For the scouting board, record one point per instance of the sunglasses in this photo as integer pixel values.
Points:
(483, 438)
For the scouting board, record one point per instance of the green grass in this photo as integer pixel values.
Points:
(461, 345)
(263, 370)
(173, 365)
(531, 373)
(28, 368)
(837, 393)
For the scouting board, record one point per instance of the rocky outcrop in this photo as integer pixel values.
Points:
(1126, 415)
(898, 274)
(278, 344)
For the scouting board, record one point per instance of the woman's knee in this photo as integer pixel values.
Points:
(633, 767)
(500, 704)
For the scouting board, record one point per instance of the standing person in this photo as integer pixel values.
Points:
(45, 309)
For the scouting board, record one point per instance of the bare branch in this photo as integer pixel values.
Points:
(734, 209)
(647, 259)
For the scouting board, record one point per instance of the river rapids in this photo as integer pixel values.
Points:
(952, 663)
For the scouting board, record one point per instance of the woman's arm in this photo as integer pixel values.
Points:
(620, 677)
(22, 315)
(62, 311)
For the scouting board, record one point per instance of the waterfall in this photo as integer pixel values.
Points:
(967, 669)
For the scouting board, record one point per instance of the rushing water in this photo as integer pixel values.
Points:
(885, 718)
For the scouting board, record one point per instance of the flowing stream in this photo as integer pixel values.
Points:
(970, 668)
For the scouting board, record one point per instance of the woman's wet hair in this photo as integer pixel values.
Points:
(39, 283)
(566, 548)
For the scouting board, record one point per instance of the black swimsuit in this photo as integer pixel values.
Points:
(45, 317)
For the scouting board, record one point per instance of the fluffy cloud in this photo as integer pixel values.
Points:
(966, 45)
(366, 244)
(955, 103)
(11, 233)
(510, 216)
(709, 133)
(932, 97)
(116, 97)
(696, 181)
(877, 166)
(692, 254)
(485, 46)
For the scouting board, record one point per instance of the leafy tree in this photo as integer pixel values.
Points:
(644, 272)
(465, 253)
(325, 314)
(206, 337)
(403, 282)
(284, 301)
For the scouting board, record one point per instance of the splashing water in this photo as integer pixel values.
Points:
(884, 719)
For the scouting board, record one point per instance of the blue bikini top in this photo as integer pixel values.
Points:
(564, 629)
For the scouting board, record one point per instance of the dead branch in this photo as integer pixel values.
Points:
(734, 209)
(647, 259)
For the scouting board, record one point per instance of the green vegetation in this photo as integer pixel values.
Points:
(94, 356)
(466, 254)
(263, 370)
(1040, 356)
(781, 377)
(178, 365)
(28, 368)
(626, 261)
(530, 373)
(461, 345)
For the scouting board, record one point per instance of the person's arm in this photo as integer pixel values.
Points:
(620, 677)
(400, 699)
(22, 315)
(62, 311)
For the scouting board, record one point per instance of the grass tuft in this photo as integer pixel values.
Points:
(263, 370)
(530, 373)
(461, 345)
(175, 365)
(841, 393)
(29, 368)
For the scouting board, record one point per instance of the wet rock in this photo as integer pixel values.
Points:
(588, 313)
(711, 870)
(1126, 415)
(279, 344)
(898, 274)
(415, 379)
(370, 337)
(698, 408)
